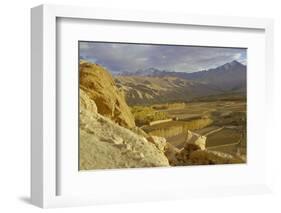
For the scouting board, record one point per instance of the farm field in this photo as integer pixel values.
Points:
(222, 122)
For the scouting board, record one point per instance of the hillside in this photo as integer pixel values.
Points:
(230, 76)
(153, 86)
(155, 90)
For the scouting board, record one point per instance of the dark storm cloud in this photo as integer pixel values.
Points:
(131, 57)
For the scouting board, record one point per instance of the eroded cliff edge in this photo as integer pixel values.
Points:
(105, 143)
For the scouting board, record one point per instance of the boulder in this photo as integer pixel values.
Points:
(194, 141)
(195, 153)
(100, 87)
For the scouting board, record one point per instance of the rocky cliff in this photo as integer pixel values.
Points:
(100, 87)
(106, 145)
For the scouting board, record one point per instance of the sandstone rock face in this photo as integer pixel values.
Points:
(86, 103)
(99, 85)
(106, 145)
(159, 142)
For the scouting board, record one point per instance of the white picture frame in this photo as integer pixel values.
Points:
(44, 150)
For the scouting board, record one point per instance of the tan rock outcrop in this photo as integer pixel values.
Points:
(195, 141)
(195, 153)
(159, 142)
(99, 85)
(86, 103)
(106, 145)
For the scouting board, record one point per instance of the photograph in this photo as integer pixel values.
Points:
(161, 105)
(138, 105)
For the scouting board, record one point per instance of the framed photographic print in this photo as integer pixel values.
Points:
(130, 106)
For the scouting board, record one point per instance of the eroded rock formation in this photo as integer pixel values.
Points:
(99, 85)
(195, 140)
(105, 145)
(159, 142)
(195, 153)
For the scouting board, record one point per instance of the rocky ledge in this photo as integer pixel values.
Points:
(106, 145)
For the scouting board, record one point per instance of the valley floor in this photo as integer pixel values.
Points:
(222, 122)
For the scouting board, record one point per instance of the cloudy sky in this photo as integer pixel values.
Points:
(119, 57)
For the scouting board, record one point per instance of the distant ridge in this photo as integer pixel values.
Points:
(154, 72)
(228, 76)
(155, 86)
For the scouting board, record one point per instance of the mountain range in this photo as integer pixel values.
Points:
(152, 85)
